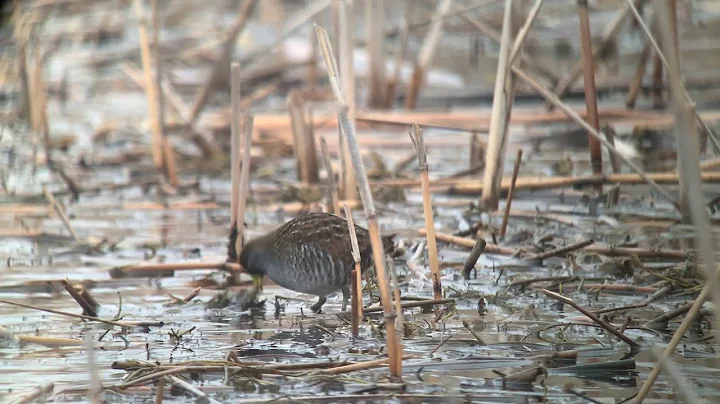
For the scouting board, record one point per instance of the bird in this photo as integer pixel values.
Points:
(310, 254)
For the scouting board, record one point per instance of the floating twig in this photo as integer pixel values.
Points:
(79, 316)
(609, 328)
(560, 251)
(61, 213)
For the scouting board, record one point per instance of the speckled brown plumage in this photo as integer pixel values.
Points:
(310, 254)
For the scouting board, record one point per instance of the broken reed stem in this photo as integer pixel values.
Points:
(611, 30)
(167, 151)
(348, 182)
(38, 105)
(608, 327)
(334, 202)
(85, 305)
(522, 33)
(637, 81)
(248, 124)
(500, 116)
(61, 213)
(427, 52)
(223, 59)
(150, 89)
(560, 251)
(303, 140)
(588, 64)
(356, 303)
(417, 140)
(62, 313)
(348, 129)
(511, 193)
(160, 391)
(375, 28)
(471, 260)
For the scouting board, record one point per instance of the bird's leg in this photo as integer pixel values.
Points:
(316, 307)
(346, 297)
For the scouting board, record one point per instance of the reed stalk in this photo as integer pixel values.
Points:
(348, 130)
(588, 64)
(356, 276)
(511, 193)
(417, 139)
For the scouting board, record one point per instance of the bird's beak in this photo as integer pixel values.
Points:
(257, 282)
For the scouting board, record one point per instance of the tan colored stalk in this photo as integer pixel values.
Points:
(522, 33)
(168, 157)
(417, 140)
(303, 140)
(348, 129)
(348, 188)
(334, 200)
(588, 63)
(60, 212)
(248, 121)
(511, 193)
(499, 121)
(356, 275)
(427, 52)
(609, 33)
(375, 27)
(691, 191)
(150, 89)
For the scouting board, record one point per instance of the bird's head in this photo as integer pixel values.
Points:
(252, 259)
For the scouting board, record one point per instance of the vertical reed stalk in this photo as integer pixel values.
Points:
(348, 181)
(427, 52)
(348, 129)
(168, 158)
(400, 48)
(38, 107)
(417, 139)
(303, 140)
(248, 121)
(511, 193)
(637, 81)
(234, 161)
(500, 116)
(608, 35)
(150, 88)
(356, 276)
(588, 64)
(375, 30)
(332, 186)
